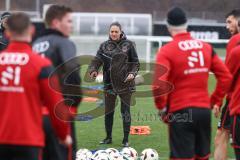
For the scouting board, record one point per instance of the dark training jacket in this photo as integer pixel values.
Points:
(119, 58)
(59, 49)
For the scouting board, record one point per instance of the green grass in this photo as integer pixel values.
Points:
(143, 113)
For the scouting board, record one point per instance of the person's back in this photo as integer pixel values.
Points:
(21, 70)
(191, 62)
(54, 45)
(24, 89)
(187, 108)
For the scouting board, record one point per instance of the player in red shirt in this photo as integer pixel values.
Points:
(24, 89)
(234, 107)
(188, 106)
(222, 135)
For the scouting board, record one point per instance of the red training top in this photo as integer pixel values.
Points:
(233, 42)
(24, 89)
(188, 62)
(234, 67)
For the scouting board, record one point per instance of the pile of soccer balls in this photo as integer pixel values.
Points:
(127, 153)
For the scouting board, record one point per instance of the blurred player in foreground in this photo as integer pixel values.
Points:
(54, 43)
(24, 90)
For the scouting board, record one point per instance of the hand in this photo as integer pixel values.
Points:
(67, 141)
(163, 114)
(129, 77)
(216, 110)
(93, 75)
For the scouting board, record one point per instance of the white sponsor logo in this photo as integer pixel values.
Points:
(41, 47)
(190, 44)
(14, 58)
(11, 75)
(196, 57)
(196, 70)
(11, 89)
(10, 78)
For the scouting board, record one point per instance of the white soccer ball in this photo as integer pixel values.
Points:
(139, 79)
(127, 157)
(83, 154)
(129, 151)
(101, 155)
(83, 157)
(149, 154)
(99, 78)
(113, 154)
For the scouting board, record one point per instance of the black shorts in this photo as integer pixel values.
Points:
(235, 131)
(190, 133)
(225, 121)
(13, 152)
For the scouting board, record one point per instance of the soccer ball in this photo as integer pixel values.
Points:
(101, 155)
(149, 154)
(127, 157)
(139, 79)
(83, 154)
(99, 78)
(114, 154)
(83, 157)
(128, 151)
(111, 150)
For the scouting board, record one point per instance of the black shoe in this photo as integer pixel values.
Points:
(106, 141)
(125, 143)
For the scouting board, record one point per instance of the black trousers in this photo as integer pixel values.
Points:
(110, 102)
(53, 150)
(14, 152)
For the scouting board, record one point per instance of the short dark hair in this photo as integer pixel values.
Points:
(235, 13)
(18, 22)
(56, 12)
(116, 24)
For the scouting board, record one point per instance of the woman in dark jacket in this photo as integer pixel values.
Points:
(120, 66)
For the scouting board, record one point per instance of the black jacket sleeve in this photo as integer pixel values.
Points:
(133, 59)
(70, 73)
(96, 62)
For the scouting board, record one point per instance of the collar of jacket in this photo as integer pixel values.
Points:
(19, 46)
(182, 35)
(52, 31)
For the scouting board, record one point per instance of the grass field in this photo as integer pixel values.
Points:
(143, 113)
